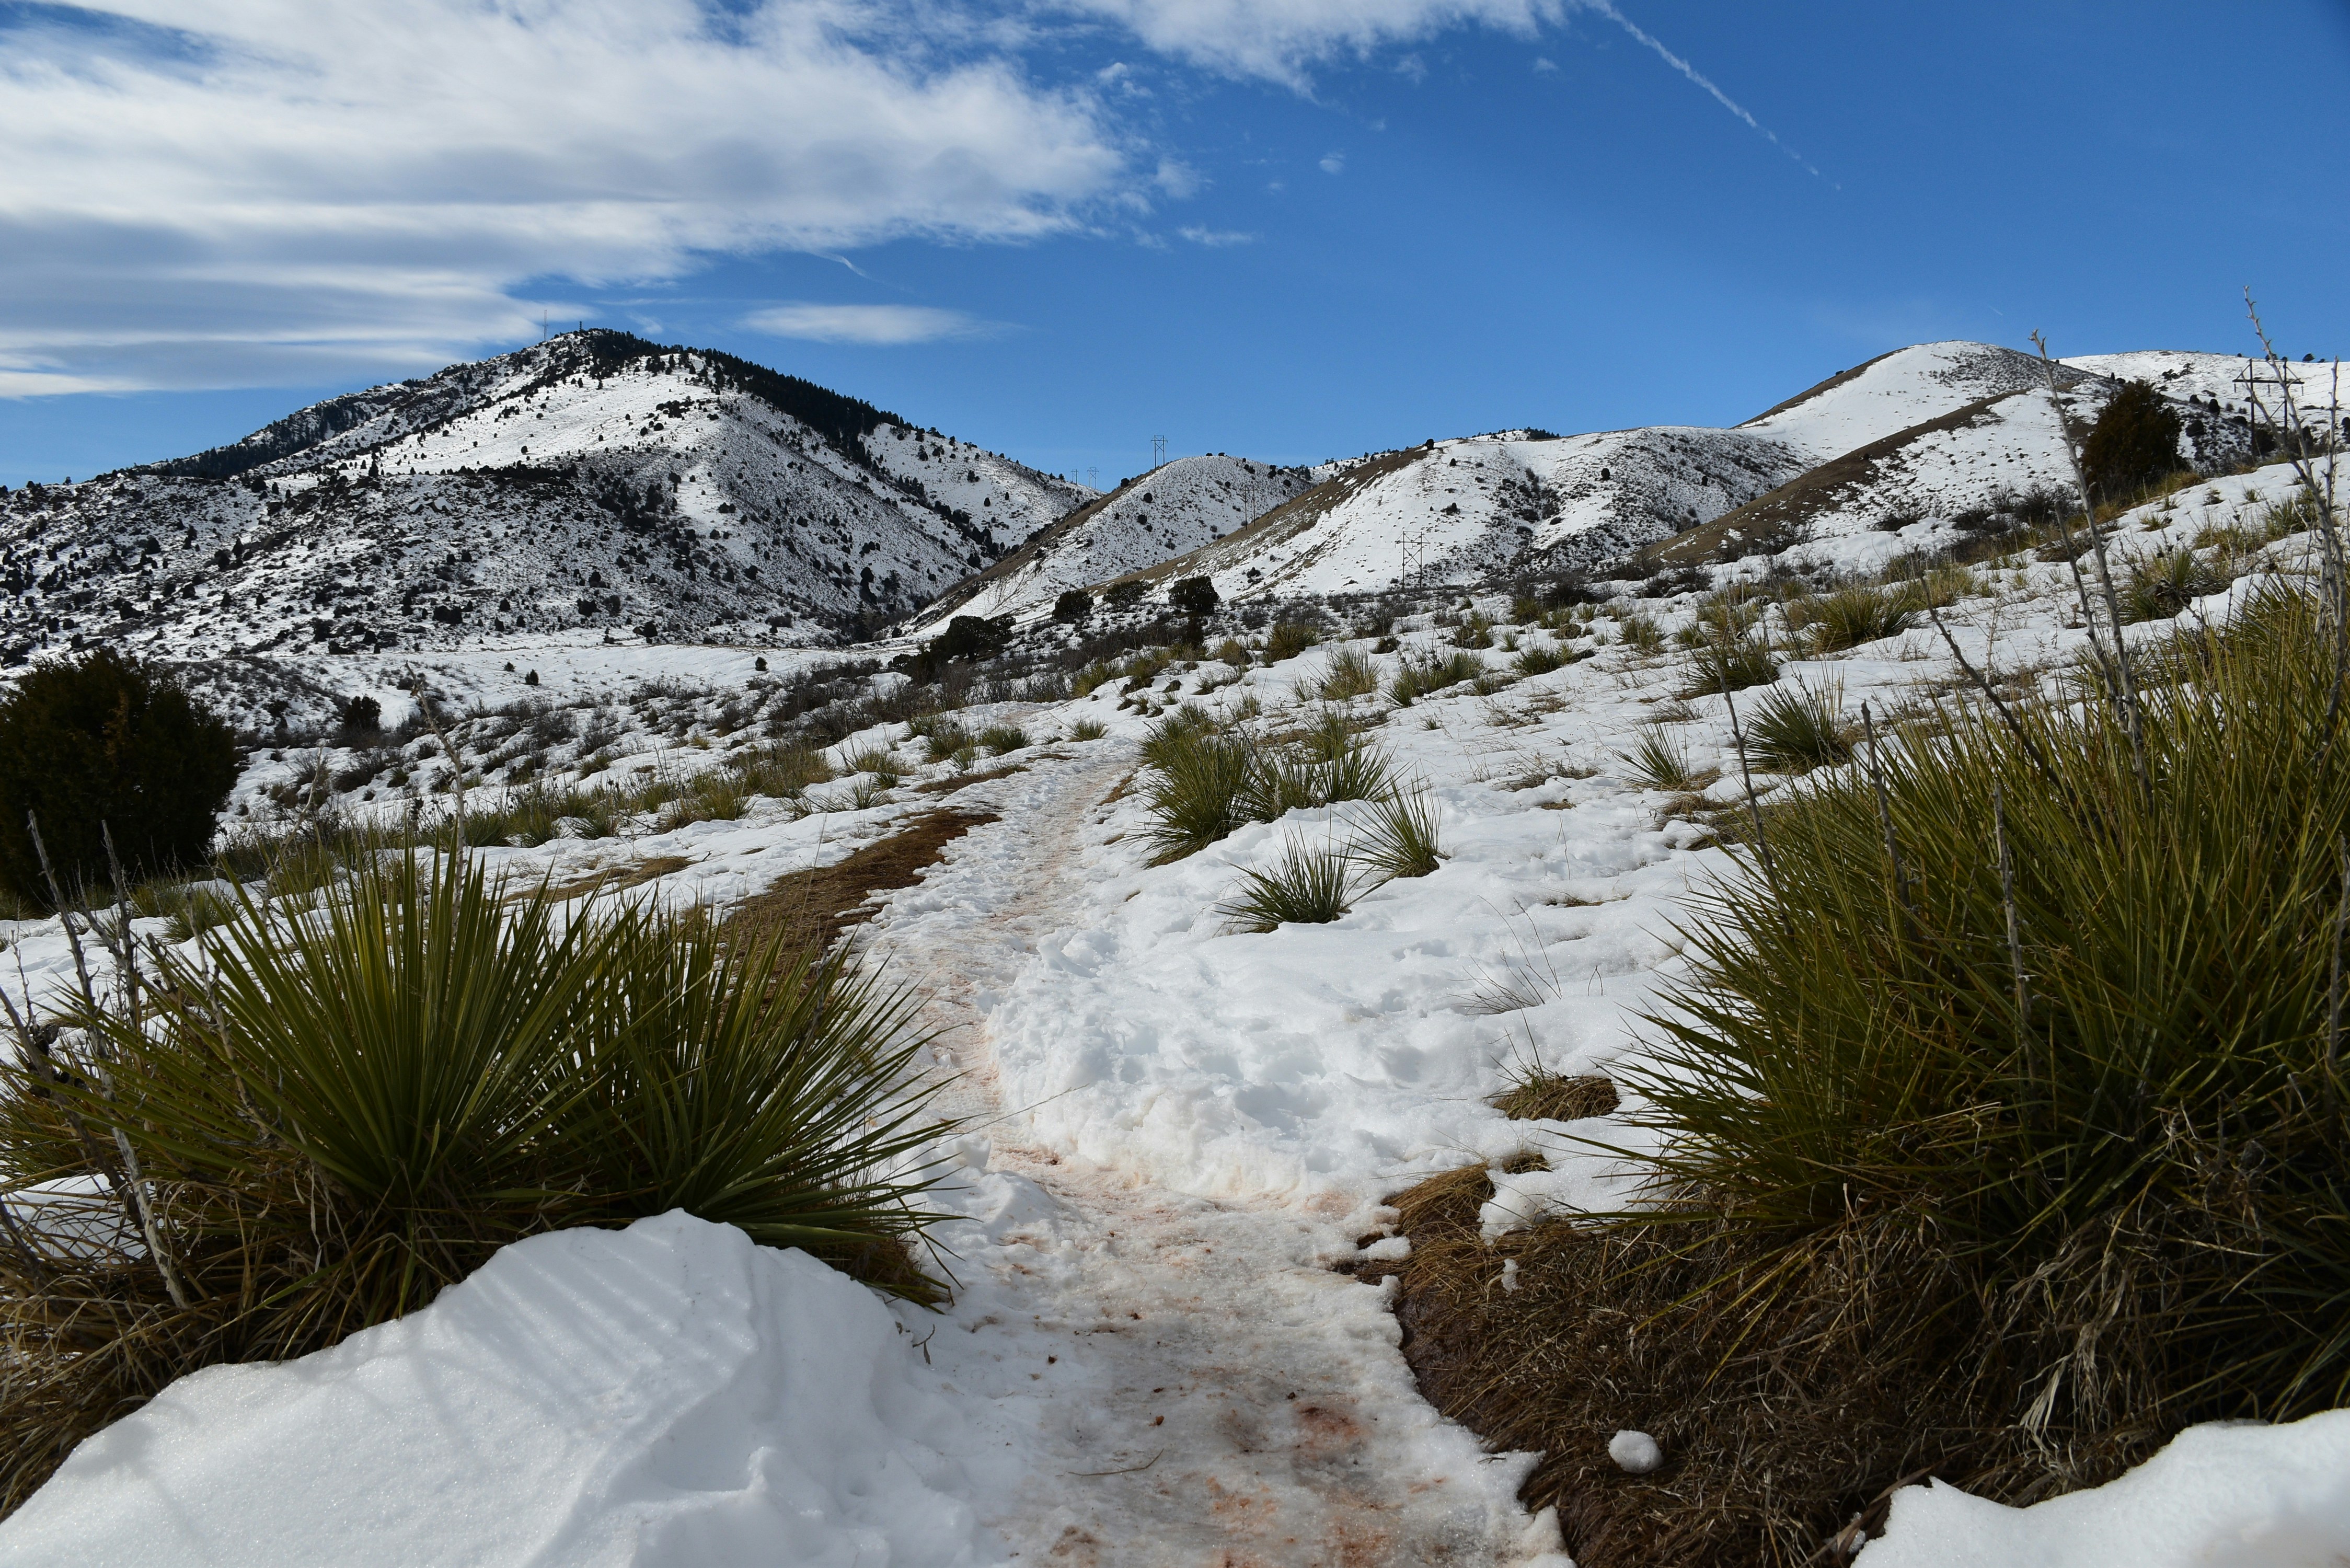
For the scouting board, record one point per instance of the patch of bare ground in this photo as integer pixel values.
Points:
(635, 874)
(1792, 1389)
(811, 908)
(953, 783)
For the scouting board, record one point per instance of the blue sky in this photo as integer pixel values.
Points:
(1294, 228)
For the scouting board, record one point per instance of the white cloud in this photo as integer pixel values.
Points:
(206, 193)
(1178, 179)
(1334, 162)
(1543, 62)
(879, 324)
(1217, 238)
(1279, 40)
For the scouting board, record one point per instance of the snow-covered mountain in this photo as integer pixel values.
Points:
(1923, 431)
(593, 481)
(1170, 510)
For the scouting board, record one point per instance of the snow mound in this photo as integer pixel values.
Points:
(1895, 391)
(2219, 1496)
(666, 1393)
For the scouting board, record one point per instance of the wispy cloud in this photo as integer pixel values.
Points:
(1603, 8)
(1217, 238)
(1281, 40)
(207, 192)
(888, 325)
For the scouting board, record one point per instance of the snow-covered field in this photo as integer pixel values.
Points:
(1173, 1131)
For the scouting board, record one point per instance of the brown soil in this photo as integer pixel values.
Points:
(811, 908)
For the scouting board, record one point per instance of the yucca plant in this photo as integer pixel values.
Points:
(2075, 1024)
(1350, 673)
(1310, 886)
(1795, 728)
(1539, 659)
(1852, 616)
(1660, 760)
(1088, 730)
(1003, 738)
(1399, 835)
(1200, 792)
(1418, 677)
(340, 1108)
(2164, 583)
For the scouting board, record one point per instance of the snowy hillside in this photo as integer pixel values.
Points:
(1175, 508)
(595, 481)
(1927, 430)
(1468, 510)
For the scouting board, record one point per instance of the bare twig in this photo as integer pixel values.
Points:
(2014, 930)
(1746, 776)
(24, 1248)
(2333, 984)
(1982, 683)
(1884, 811)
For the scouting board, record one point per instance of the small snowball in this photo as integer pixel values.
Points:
(1389, 1248)
(1635, 1453)
(1509, 1274)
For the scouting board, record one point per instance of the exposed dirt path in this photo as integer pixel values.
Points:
(1185, 1382)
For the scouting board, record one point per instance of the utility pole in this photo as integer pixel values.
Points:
(1158, 452)
(1093, 479)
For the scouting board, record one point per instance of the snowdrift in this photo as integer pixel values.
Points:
(668, 1394)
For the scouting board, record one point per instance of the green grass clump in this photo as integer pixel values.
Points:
(943, 738)
(1200, 789)
(1288, 639)
(1850, 617)
(343, 1108)
(1398, 837)
(1419, 676)
(2096, 1175)
(1661, 760)
(1003, 738)
(1350, 673)
(1798, 729)
(1540, 658)
(1088, 730)
(1729, 665)
(2164, 583)
(1310, 886)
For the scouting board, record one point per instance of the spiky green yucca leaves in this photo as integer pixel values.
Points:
(1398, 836)
(1660, 760)
(1852, 616)
(1794, 731)
(347, 1106)
(1207, 786)
(1311, 885)
(2131, 1129)
(1350, 673)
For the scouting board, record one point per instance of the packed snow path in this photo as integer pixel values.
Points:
(1174, 1381)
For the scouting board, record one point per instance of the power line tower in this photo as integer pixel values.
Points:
(541, 327)
(1158, 452)
(1093, 479)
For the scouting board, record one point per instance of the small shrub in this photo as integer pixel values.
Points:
(1350, 673)
(783, 772)
(1125, 594)
(942, 738)
(1419, 676)
(2160, 586)
(1731, 666)
(445, 1062)
(362, 715)
(1660, 760)
(1795, 729)
(1088, 729)
(107, 743)
(1003, 738)
(1477, 631)
(1200, 791)
(2133, 443)
(1851, 617)
(1398, 837)
(1642, 635)
(1288, 639)
(1233, 651)
(1539, 659)
(1073, 604)
(1192, 597)
(1310, 886)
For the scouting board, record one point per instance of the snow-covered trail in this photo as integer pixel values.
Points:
(1170, 1380)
